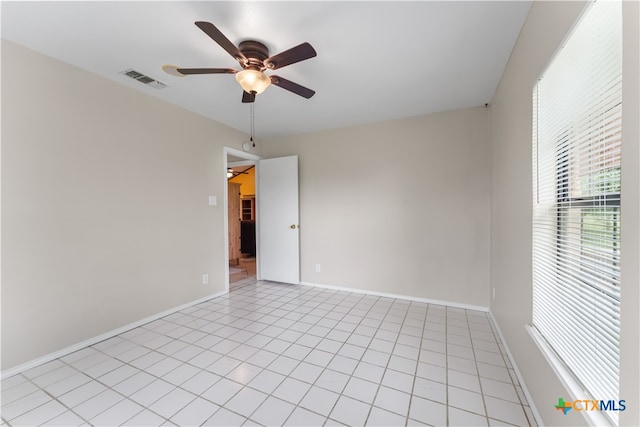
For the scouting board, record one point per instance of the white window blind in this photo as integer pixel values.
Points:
(577, 106)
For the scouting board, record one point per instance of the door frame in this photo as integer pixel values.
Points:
(248, 159)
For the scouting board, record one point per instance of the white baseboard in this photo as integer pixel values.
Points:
(397, 296)
(525, 390)
(91, 341)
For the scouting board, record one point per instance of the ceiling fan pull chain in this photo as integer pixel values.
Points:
(253, 119)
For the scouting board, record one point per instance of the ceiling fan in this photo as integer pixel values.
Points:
(254, 59)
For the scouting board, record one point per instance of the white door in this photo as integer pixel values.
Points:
(278, 234)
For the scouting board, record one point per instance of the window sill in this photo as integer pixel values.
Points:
(593, 418)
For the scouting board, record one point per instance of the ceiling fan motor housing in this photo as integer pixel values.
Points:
(255, 52)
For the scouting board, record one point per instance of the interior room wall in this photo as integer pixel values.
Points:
(247, 181)
(545, 28)
(105, 215)
(399, 207)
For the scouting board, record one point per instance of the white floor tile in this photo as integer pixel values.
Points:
(276, 354)
(118, 375)
(262, 358)
(319, 400)
(369, 372)
(204, 359)
(223, 366)
(181, 374)
(297, 351)
(332, 380)
(225, 418)
(283, 365)
(39, 415)
(460, 418)
(398, 380)
(54, 376)
(306, 372)
(431, 390)
(134, 383)
(319, 357)
(350, 412)
(462, 364)
(304, 418)
(244, 373)
(222, 391)
(145, 418)
(21, 390)
(503, 410)
(499, 389)
(332, 346)
(152, 392)
(266, 381)
(117, 414)
(81, 394)
(174, 401)
(360, 389)
(133, 354)
(382, 345)
(87, 362)
(392, 400)
(433, 357)
(343, 364)
(66, 419)
(382, 418)
(97, 404)
(195, 413)
(103, 368)
(292, 390)
(376, 357)
(493, 372)
(246, 401)
(463, 380)
(148, 359)
(466, 400)
(431, 372)
(273, 412)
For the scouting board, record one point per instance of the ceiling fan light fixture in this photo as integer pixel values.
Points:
(229, 173)
(253, 81)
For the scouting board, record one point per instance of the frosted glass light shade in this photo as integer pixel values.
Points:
(253, 81)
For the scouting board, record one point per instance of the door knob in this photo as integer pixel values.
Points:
(293, 226)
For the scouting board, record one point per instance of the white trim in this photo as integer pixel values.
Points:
(525, 390)
(593, 418)
(399, 296)
(91, 341)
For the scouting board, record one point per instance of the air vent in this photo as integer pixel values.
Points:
(136, 75)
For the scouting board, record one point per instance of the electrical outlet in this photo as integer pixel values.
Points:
(317, 268)
(205, 279)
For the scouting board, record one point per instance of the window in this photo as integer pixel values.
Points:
(577, 107)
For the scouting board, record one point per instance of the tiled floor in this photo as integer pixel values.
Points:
(272, 354)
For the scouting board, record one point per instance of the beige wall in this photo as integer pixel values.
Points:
(543, 32)
(398, 207)
(105, 216)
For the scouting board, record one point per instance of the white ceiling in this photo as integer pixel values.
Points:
(376, 60)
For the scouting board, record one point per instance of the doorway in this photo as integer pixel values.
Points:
(240, 215)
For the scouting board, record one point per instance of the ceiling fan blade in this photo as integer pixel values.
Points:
(291, 56)
(292, 87)
(221, 39)
(248, 97)
(187, 71)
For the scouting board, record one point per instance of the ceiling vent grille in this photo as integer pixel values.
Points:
(136, 75)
